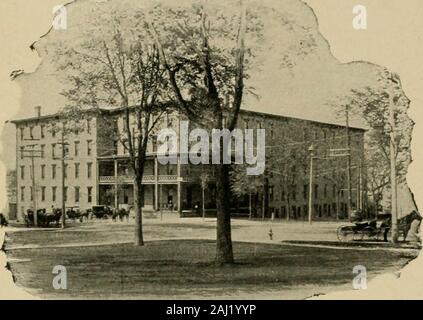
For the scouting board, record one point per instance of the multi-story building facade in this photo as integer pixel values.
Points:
(97, 169)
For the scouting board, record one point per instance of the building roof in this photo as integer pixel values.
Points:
(243, 111)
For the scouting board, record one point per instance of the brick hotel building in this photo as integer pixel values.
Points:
(97, 170)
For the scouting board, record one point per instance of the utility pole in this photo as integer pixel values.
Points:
(63, 159)
(338, 183)
(32, 155)
(348, 146)
(63, 181)
(360, 186)
(394, 200)
(310, 192)
(161, 202)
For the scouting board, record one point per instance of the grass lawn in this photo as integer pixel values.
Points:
(184, 268)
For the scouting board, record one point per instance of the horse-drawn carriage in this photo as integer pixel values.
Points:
(106, 212)
(376, 229)
(44, 219)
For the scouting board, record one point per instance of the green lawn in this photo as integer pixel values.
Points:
(105, 233)
(172, 269)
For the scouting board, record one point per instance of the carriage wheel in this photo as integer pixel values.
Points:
(345, 233)
(359, 236)
(370, 233)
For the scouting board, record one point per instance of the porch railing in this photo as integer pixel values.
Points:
(130, 179)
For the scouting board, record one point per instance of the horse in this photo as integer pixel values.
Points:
(3, 221)
(404, 224)
(44, 219)
(121, 213)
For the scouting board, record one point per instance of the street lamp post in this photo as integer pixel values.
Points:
(310, 193)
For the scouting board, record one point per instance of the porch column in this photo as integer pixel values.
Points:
(97, 183)
(156, 184)
(179, 185)
(116, 183)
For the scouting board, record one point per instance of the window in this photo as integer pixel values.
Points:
(53, 171)
(53, 193)
(271, 194)
(77, 170)
(271, 131)
(334, 191)
(89, 126)
(66, 170)
(89, 148)
(43, 148)
(76, 148)
(22, 133)
(65, 194)
(31, 132)
(89, 170)
(22, 172)
(53, 132)
(53, 150)
(43, 171)
(76, 194)
(325, 191)
(259, 125)
(32, 193)
(22, 152)
(115, 147)
(246, 123)
(90, 194)
(22, 193)
(42, 131)
(43, 194)
(305, 191)
(316, 191)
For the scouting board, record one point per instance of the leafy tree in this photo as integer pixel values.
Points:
(372, 103)
(114, 65)
(243, 184)
(208, 51)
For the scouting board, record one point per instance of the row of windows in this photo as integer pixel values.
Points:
(54, 171)
(43, 130)
(43, 195)
(54, 150)
(307, 133)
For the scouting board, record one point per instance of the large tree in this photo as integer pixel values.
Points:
(114, 65)
(203, 50)
(372, 103)
(209, 52)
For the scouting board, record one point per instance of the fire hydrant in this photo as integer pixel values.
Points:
(271, 234)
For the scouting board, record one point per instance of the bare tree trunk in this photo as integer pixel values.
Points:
(224, 252)
(250, 209)
(139, 239)
(288, 209)
(203, 202)
(337, 203)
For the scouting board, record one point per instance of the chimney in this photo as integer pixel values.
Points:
(38, 111)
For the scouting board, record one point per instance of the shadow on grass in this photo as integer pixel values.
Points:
(174, 268)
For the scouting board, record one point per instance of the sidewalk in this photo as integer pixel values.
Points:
(8, 289)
